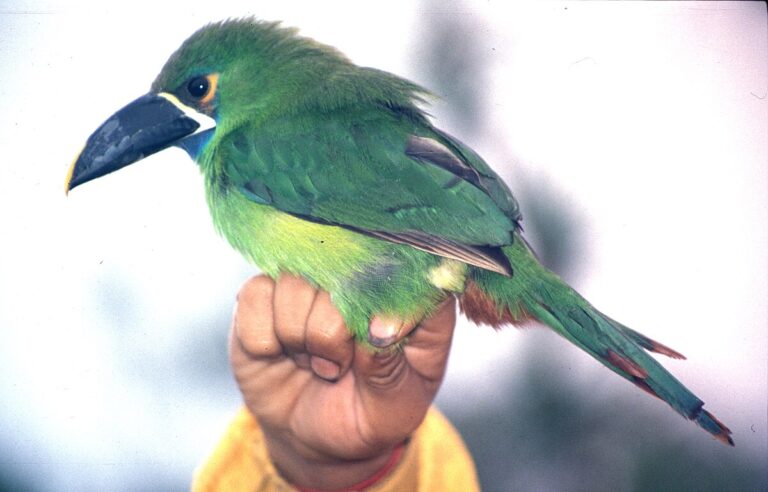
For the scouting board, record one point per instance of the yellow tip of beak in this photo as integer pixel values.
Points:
(70, 172)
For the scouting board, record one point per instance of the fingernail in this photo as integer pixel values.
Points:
(325, 368)
(383, 332)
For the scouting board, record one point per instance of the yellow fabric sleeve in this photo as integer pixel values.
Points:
(435, 459)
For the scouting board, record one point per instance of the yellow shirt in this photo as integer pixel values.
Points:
(435, 459)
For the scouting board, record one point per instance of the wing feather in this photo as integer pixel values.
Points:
(380, 173)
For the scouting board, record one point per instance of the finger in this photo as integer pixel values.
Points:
(430, 343)
(386, 331)
(403, 382)
(253, 326)
(437, 328)
(292, 302)
(391, 396)
(329, 343)
(429, 339)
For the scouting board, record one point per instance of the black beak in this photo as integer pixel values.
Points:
(149, 124)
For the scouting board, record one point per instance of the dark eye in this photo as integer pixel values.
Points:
(199, 87)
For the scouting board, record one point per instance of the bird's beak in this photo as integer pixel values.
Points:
(149, 124)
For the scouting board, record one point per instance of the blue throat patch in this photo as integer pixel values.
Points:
(194, 143)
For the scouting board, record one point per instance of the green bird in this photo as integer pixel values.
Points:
(317, 167)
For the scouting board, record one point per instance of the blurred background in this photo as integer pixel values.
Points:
(633, 135)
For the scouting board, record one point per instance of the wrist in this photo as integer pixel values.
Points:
(313, 471)
(378, 476)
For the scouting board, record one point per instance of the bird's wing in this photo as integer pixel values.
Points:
(382, 174)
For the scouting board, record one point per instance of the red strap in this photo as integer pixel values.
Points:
(394, 458)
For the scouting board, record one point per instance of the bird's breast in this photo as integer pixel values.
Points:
(276, 241)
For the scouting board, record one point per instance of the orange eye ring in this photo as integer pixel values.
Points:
(213, 80)
(203, 88)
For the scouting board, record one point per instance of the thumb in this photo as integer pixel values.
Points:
(386, 331)
(425, 353)
(397, 385)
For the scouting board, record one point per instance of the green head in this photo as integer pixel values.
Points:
(246, 68)
(224, 74)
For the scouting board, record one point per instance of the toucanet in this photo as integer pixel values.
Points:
(320, 168)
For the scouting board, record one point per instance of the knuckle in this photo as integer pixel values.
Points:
(292, 281)
(255, 288)
(259, 345)
(327, 333)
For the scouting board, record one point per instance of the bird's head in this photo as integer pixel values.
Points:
(224, 75)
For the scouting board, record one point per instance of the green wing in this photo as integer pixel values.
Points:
(382, 173)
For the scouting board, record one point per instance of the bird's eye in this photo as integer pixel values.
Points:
(199, 87)
(203, 88)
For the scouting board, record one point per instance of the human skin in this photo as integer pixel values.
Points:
(332, 410)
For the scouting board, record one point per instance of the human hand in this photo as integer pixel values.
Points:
(331, 409)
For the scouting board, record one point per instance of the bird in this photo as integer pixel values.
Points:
(317, 167)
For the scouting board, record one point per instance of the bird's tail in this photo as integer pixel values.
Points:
(533, 292)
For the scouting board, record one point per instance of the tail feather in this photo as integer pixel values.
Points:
(648, 343)
(535, 292)
(712, 425)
